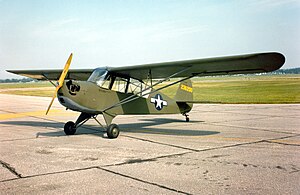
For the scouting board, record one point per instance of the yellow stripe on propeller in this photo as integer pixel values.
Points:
(60, 81)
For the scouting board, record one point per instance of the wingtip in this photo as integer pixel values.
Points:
(273, 61)
(279, 60)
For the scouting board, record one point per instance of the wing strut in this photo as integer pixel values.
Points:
(49, 80)
(134, 97)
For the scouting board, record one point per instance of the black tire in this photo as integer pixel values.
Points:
(70, 128)
(113, 131)
(187, 119)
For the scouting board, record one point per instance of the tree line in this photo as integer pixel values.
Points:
(23, 80)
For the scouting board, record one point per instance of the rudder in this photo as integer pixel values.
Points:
(184, 96)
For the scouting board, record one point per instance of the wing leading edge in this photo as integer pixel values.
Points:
(76, 74)
(240, 64)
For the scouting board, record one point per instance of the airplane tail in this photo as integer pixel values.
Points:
(184, 96)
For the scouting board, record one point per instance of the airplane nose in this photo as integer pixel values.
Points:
(60, 92)
(60, 95)
(73, 87)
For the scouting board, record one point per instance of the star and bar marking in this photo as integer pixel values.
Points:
(158, 102)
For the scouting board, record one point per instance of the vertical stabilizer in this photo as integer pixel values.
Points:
(185, 91)
(184, 96)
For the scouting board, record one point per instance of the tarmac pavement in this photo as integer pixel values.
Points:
(224, 149)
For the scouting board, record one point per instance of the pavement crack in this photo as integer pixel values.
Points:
(51, 173)
(10, 168)
(160, 143)
(144, 181)
(193, 150)
(285, 137)
(231, 146)
(252, 128)
(281, 143)
(87, 168)
(239, 120)
(135, 161)
(275, 140)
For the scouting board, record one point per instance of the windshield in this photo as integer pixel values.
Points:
(99, 76)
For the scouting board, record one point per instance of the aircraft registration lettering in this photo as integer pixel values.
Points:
(186, 88)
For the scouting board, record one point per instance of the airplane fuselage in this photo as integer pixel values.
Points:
(87, 97)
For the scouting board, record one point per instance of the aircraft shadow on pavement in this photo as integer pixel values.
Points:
(181, 127)
(53, 129)
(146, 126)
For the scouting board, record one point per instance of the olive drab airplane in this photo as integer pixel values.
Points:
(135, 90)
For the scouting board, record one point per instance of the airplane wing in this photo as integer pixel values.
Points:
(75, 74)
(240, 64)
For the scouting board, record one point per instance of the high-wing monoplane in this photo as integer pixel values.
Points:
(136, 90)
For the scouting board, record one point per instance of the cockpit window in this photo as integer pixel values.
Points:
(123, 84)
(99, 76)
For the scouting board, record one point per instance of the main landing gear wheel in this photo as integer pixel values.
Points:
(113, 131)
(70, 128)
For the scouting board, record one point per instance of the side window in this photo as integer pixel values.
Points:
(134, 86)
(130, 86)
(138, 88)
(119, 84)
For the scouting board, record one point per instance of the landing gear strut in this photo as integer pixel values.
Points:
(70, 127)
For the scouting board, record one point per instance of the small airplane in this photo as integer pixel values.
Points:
(129, 90)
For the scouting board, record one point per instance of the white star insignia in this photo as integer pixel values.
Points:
(159, 102)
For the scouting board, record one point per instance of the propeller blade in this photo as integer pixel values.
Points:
(65, 71)
(61, 80)
(54, 96)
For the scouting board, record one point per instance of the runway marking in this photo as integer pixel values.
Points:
(31, 114)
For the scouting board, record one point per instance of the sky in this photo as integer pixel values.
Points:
(37, 34)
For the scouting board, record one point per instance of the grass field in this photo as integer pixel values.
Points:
(25, 85)
(261, 89)
(246, 89)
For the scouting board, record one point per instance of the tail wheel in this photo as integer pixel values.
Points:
(70, 128)
(187, 119)
(113, 131)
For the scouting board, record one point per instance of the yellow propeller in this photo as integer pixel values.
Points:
(61, 80)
